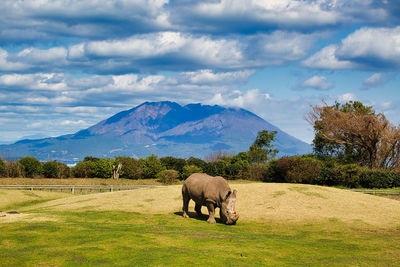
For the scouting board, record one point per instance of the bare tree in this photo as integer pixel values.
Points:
(215, 156)
(116, 170)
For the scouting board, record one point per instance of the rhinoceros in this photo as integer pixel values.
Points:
(211, 192)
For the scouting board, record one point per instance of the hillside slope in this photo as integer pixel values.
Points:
(278, 203)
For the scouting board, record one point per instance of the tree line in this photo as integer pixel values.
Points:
(353, 147)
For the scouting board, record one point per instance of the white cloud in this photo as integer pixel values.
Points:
(372, 81)
(284, 12)
(49, 100)
(207, 76)
(34, 125)
(347, 97)
(365, 48)
(38, 81)
(379, 45)
(6, 65)
(72, 122)
(317, 82)
(200, 49)
(326, 59)
(54, 55)
(239, 99)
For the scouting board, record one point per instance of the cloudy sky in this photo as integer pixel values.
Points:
(67, 64)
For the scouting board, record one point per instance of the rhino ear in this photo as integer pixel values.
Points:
(234, 194)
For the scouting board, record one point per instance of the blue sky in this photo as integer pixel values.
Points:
(65, 65)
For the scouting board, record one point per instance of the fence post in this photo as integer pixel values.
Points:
(73, 190)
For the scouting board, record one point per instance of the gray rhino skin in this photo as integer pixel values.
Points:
(211, 192)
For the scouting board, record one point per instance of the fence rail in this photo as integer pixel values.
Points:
(76, 189)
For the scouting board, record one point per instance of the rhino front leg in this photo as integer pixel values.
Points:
(211, 211)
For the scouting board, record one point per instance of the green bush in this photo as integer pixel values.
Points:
(372, 178)
(171, 163)
(84, 169)
(14, 169)
(50, 169)
(131, 168)
(197, 162)
(216, 168)
(236, 167)
(346, 175)
(31, 167)
(259, 172)
(2, 168)
(151, 166)
(298, 170)
(282, 166)
(168, 176)
(396, 181)
(54, 169)
(103, 168)
(189, 170)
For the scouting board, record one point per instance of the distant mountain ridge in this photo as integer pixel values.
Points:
(163, 128)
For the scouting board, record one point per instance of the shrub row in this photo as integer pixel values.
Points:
(306, 169)
(310, 170)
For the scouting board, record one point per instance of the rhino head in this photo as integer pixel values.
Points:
(227, 211)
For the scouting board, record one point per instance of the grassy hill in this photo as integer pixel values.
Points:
(279, 203)
(280, 224)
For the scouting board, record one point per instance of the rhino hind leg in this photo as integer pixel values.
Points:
(197, 208)
(186, 199)
(211, 211)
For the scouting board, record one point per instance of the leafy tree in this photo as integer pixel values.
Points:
(63, 170)
(171, 163)
(262, 149)
(353, 131)
(217, 168)
(131, 168)
(197, 162)
(50, 169)
(324, 146)
(168, 176)
(189, 170)
(90, 158)
(103, 168)
(84, 169)
(13, 169)
(2, 168)
(151, 166)
(31, 167)
(54, 169)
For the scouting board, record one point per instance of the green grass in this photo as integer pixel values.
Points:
(132, 239)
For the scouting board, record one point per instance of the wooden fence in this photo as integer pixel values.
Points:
(88, 189)
(76, 189)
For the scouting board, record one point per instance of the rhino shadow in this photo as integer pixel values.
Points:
(193, 215)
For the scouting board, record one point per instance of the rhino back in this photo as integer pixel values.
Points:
(202, 188)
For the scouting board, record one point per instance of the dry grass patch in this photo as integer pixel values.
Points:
(12, 200)
(277, 203)
(6, 217)
(17, 198)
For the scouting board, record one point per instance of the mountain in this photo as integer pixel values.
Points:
(162, 128)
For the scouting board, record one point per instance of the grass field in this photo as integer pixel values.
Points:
(280, 224)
